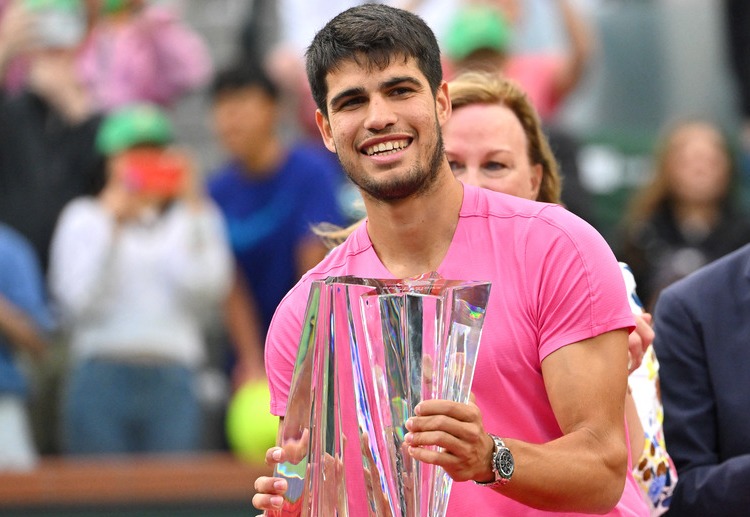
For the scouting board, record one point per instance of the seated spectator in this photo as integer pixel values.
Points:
(134, 271)
(685, 216)
(703, 323)
(270, 194)
(24, 322)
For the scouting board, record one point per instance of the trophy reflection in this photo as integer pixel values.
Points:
(404, 341)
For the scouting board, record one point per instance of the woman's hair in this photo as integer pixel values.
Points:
(485, 88)
(372, 35)
(332, 234)
(659, 190)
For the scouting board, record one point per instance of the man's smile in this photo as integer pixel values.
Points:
(385, 148)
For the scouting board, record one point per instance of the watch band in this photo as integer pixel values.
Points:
(502, 464)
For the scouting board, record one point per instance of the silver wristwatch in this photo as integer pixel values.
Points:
(502, 464)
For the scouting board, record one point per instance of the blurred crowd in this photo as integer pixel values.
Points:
(137, 284)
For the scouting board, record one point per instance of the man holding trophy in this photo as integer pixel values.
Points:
(544, 431)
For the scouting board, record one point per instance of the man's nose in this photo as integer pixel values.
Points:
(380, 114)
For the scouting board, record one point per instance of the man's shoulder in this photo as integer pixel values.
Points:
(223, 175)
(345, 258)
(497, 206)
(348, 258)
(10, 236)
(18, 263)
(82, 206)
(13, 243)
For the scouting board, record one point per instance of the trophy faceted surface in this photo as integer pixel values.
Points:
(406, 340)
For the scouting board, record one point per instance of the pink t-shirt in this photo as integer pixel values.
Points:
(554, 282)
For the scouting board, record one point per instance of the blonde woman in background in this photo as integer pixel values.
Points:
(494, 140)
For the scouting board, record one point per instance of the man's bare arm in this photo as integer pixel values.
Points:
(582, 471)
(21, 330)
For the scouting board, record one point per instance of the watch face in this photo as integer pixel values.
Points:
(504, 463)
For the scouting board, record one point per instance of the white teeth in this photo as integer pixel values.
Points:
(386, 147)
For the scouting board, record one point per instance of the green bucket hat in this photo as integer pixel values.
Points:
(60, 5)
(474, 28)
(113, 6)
(131, 126)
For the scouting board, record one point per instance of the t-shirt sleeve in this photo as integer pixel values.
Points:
(282, 342)
(577, 290)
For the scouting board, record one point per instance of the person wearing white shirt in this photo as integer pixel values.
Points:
(134, 271)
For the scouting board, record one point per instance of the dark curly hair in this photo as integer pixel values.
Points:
(374, 35)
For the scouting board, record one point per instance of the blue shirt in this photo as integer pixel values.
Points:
(21, 284)
(268, 217)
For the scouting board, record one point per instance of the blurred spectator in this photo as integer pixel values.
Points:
(703, 329)
(134, 271)
(480, 37)
(259, 32)
(140, 52)
(301, 19)
(737, 19)
(270, 195)
(47, 133)
(298, 22)
(685, 217)
(24, 322)
(16, 37)
(47, 155)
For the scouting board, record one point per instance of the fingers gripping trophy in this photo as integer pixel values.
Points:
(406, 341)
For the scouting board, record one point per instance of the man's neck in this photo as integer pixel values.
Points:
(412, 236)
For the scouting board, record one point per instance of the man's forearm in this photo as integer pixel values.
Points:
(586, 476)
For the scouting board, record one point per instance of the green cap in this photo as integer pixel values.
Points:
(59, 5)
(131, 126)
(475, 28)
(113, 6)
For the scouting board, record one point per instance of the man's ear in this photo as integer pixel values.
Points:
(443, 103)
(324, 126)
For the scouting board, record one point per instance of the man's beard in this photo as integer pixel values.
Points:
(416, 181)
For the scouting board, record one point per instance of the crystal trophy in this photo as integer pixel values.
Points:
(405, 341)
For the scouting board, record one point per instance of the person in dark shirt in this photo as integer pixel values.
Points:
(47, 133)
(271, 195)
(685, 217)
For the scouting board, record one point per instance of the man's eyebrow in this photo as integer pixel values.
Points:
(353, 92)
(349, 92)
(402, 79)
